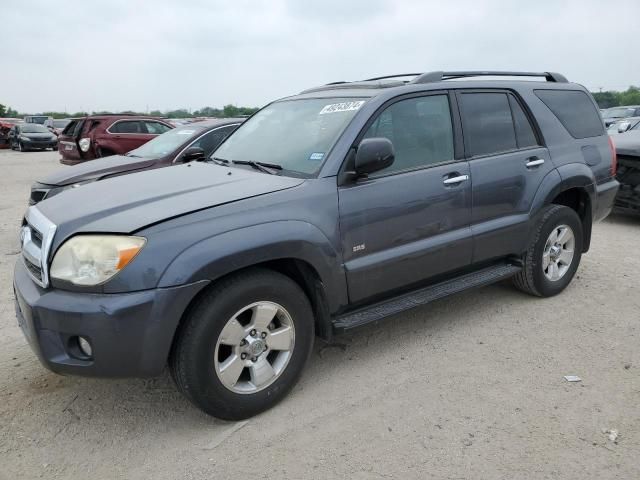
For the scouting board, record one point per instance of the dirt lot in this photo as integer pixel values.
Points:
(471, 387)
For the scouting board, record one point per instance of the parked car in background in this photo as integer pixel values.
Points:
(623, 125)
(40, 119)
(98, 136)
(5, 126)
(323, 212)
(57, 125)
(628, 151)
(616, 113)
(183, 144)
(31, 136)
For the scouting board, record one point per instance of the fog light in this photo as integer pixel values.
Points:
(85, 346)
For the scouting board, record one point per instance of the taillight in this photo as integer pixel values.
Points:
(614, 158)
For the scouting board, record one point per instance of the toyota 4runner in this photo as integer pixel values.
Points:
(325, 211)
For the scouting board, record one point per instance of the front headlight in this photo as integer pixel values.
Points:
(84, 144)
(24, 139)
(94, 259)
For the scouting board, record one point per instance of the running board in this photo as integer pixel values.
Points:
(410, 300)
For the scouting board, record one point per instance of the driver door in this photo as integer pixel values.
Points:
(411, 221)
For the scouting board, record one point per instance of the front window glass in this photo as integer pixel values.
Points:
(165, 143)
(295, 134)
(33, 128)
(420, 130)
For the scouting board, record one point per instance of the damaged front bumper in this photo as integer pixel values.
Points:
(628, 197)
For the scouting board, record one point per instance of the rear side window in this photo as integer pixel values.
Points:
(487, 123)
(127, 126)
(575, 110)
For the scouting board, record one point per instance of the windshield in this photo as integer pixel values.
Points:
(33, 128)
(165, 143)
(618, 112)
(294, 134)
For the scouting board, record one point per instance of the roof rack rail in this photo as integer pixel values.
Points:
(439, 76)
(391, 76)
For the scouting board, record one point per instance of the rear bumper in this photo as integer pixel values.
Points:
(605, 197)
(130, 333)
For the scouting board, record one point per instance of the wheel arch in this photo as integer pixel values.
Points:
(294, 248)
(573, 186)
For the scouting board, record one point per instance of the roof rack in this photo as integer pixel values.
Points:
(440, 76)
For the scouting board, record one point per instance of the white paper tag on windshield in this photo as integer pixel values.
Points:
(185, 132)
(341, 107)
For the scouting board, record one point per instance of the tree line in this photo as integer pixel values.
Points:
(606, 99)
(224, 112)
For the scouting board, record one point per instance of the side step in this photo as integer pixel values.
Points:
(410, 300)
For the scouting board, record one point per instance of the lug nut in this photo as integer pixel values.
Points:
(253, 359)
(253, 333)
(243, 342)
(243, 356)
(264, 335)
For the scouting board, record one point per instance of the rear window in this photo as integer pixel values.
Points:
(575, 110)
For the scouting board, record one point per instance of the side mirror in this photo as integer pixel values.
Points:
(374, 154)
(623, 127)
(192, 153)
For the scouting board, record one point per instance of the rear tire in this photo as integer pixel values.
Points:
(553, 256)
(229, 358)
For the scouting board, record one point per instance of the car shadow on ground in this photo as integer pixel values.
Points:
(121, 404)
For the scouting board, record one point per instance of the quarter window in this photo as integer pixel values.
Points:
(420, 130)
(575, 110)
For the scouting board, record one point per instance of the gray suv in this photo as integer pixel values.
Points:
(324, 211)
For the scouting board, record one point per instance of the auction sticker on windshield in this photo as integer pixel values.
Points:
(341, 107)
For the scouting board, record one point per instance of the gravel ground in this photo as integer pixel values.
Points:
(470, 387)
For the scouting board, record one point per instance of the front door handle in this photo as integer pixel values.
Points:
(455, 180)
(534, 162)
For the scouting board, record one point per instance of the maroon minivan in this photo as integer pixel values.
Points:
(98, 136)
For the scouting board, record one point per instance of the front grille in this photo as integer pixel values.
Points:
(36, 238)
(34, 270)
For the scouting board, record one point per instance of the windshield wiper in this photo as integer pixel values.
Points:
(132, 155)
(262, 166)
(219, 161)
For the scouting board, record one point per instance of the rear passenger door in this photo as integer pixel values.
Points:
(127, 135)
(410, 221)
(507, 163)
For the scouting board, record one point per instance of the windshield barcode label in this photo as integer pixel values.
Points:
(341, 107)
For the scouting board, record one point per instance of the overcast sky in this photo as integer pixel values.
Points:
(157, 54)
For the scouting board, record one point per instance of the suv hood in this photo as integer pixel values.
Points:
(96, 169)
(627, 143)
(128, 203)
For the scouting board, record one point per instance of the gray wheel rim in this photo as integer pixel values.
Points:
(558, 253)
(254, 347)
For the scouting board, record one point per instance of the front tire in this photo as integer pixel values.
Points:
(243, 344)
(21, 147)
(554, 254)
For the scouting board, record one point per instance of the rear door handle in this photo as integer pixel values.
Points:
(534, 162)
(455, 180)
